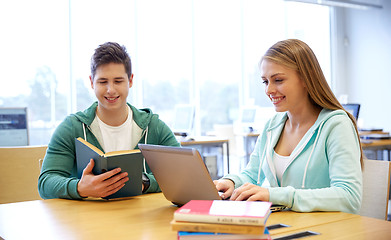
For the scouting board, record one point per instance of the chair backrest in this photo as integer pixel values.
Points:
(19, 171)
(376, 185)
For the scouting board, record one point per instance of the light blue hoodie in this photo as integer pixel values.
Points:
(324, 173)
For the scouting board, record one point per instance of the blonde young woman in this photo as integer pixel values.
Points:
(310, 151)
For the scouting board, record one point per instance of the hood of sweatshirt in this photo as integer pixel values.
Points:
(275, 126)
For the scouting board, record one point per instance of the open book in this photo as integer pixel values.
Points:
(130, 161)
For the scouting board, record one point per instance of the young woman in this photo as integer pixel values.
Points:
(310, 151)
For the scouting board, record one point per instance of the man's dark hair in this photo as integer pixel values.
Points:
(110, 52)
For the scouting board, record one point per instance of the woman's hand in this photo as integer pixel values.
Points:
(225, 186)
(101, 185)
(250, 192)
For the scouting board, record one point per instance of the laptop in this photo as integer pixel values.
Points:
(181, 174)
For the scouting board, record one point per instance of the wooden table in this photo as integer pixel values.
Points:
(355, 228)
(142, 217)
(148, 217)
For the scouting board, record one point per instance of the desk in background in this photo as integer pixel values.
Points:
(377, 146)
(374, 148)
(206, 146)
(148, 217)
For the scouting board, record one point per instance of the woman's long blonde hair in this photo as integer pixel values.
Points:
(296, 54)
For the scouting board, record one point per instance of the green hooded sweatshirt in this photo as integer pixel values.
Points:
(58, 178)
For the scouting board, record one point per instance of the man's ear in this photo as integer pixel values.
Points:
(92, 82)
(131, 81)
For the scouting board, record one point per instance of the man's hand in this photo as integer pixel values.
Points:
(102, 185)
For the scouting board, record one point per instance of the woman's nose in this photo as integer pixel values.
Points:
(269, 89)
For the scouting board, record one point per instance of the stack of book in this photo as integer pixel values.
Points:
(219, 219)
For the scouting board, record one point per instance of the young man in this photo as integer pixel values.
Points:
(110, 124)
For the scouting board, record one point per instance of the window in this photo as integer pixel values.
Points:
(204, 53)
(307, 22)
(34, 64)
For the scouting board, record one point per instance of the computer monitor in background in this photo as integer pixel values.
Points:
(183, 120)
(248, 115)
(13, 127)
(247, 118)
(352, 108)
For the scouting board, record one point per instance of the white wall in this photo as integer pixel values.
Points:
(367, 62)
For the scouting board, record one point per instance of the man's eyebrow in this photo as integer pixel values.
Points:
(105, 79)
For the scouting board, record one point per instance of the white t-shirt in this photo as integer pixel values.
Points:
(117, 138)
(280, 164)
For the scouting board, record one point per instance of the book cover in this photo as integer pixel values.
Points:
(224, 212)
(216, 228)
(182, 235)
(130, 161)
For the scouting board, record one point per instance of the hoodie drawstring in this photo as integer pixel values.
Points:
(145, 142)
(262, 159)
(309, 158)
(84, 131)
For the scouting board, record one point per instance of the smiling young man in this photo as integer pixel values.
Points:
(111, 124)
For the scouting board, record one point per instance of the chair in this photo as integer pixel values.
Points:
(376, 182)
(19, 171)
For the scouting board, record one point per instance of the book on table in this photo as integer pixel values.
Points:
(130, 161)
(221, 236)
(253, 213)
(216, 228)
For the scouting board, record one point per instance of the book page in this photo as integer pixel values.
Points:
(121, 152)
